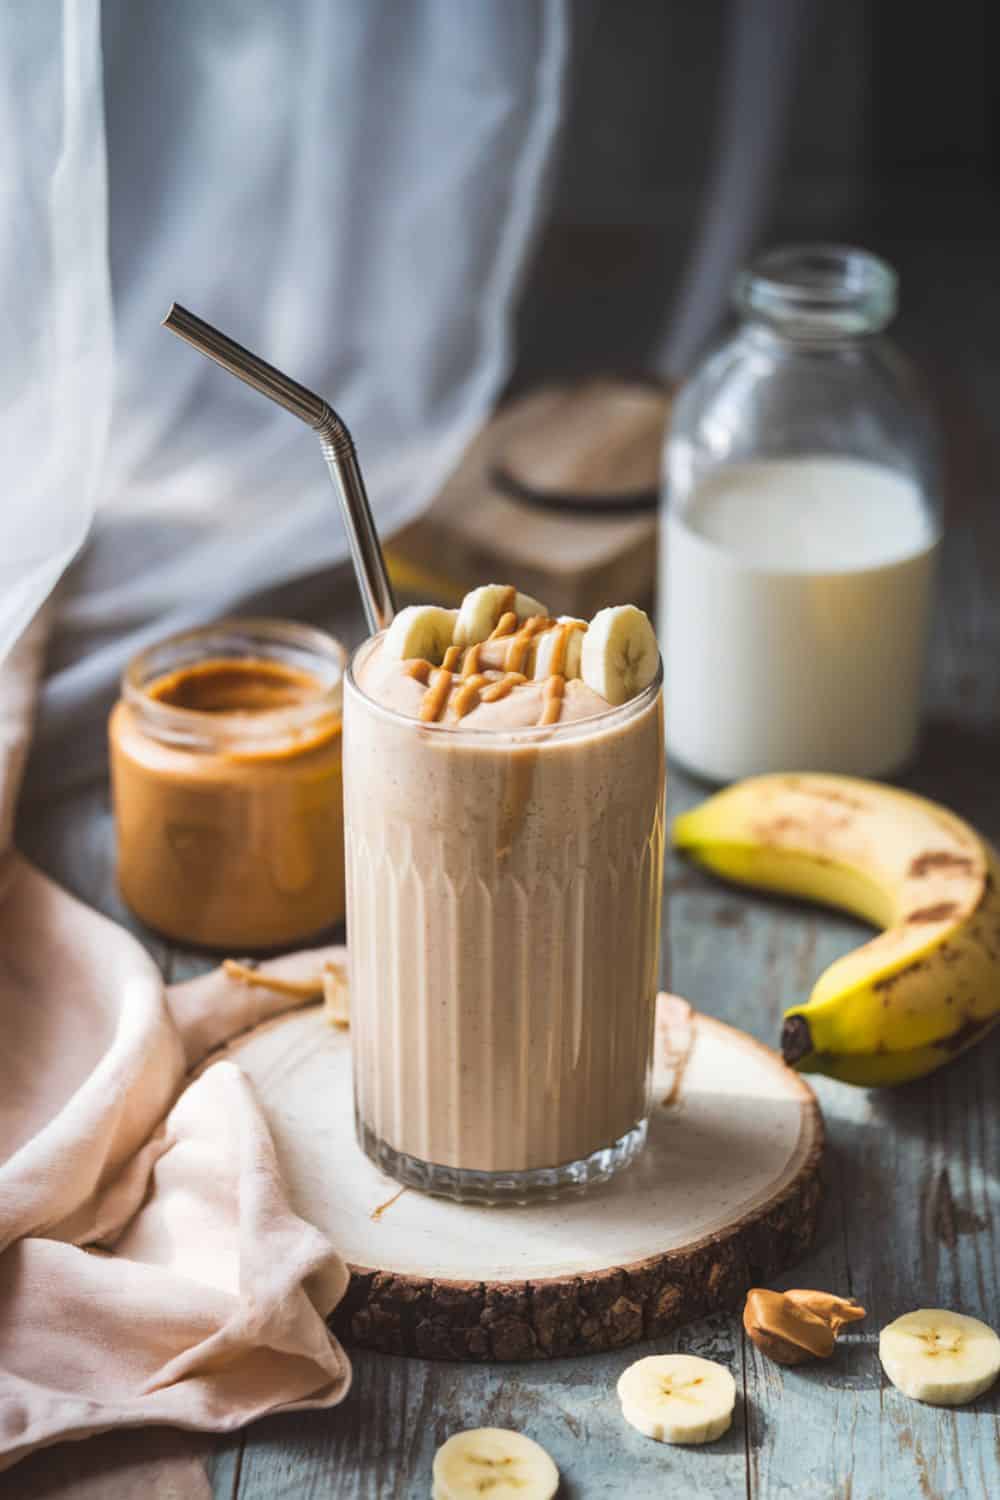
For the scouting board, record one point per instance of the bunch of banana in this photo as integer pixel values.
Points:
(928, 985)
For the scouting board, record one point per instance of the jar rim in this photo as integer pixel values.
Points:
(818, 290)
(532, 734)
(240, 638)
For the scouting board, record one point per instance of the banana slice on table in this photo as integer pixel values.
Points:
(481, 609)
(941, 1357)
(493, 1461)
(678, 1398)
(567, 641)
(620, 654)
(423, 630)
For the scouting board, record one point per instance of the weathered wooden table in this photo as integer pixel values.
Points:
(911, 1217)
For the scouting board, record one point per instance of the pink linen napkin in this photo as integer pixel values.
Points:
(151, 1269)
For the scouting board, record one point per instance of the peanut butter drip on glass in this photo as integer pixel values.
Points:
(791, 1327)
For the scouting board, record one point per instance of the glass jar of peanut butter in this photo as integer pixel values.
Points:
(227, 787)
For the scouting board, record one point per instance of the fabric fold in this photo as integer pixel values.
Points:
(152, 1269)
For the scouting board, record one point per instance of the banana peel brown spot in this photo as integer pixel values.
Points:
(891, 980)
(938, 859)
(936, 913)
(825, 793)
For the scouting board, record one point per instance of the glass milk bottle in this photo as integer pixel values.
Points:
(800, 527)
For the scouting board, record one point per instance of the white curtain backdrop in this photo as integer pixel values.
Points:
(353, 188)
(350, 187)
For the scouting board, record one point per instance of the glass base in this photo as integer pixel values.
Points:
(467, 1186)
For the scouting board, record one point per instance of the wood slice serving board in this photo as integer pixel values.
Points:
(725, 1195)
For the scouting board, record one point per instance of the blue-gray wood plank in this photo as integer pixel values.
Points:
(911, 1215)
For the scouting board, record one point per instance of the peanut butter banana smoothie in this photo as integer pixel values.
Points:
(503, 778)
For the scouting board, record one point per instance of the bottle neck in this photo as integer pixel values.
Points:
(816, 295)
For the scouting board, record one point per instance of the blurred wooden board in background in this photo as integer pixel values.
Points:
(557, 494)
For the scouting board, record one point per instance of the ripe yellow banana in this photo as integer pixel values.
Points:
(928, 985)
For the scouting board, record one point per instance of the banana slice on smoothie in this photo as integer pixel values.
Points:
(481, 609)
(568, 643)
(423, 630)
(620, 654)
(678, 1398)
(941, 1357)
(493, 1461)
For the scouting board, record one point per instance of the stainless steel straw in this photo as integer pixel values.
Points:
(334, 439)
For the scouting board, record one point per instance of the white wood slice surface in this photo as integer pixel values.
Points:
(725, 1193)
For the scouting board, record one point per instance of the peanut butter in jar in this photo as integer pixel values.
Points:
(227, 785)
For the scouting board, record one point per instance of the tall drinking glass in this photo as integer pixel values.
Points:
(503, 909)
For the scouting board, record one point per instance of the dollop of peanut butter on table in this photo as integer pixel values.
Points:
(791, 1327)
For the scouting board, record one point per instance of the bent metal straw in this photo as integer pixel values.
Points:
(335, 441)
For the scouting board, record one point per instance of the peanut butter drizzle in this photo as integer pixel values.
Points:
(468, 693)
(503, 687)
(506, 625)
(518, 648)
(562, 645)
(552, 701)
(419, 669)
(452, 657)
(436, 695)
(558, 661)
(470, 666)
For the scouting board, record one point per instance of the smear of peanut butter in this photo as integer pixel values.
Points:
(336, 996)
(376, 1213)
(244, 973)
(791, 1327)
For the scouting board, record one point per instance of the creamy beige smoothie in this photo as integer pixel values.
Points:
(504, 833)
